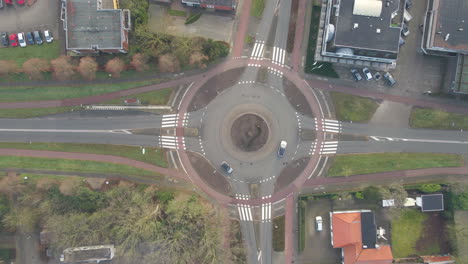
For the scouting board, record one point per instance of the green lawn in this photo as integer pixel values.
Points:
(46, 51)
(406, 230)
(179, 13)
(33, 112)
(354, 164)
(311, 66)
(74, 166)
(437, 119)
(278, 233)
(155, 156)
(353, 108)
(22, 94)
(158, 97)
(257, 8)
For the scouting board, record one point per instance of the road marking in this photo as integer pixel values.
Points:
(172, 142)
(331, 126)
(279, 56)
(169, 120)
(266, 210)
(257, 51)
(245, 211)
(329, 148)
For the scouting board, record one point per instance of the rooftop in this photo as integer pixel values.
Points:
(368, 230)
(88, 26)
(91, 253)
(360, 31)
(450, 17)
(432, 202)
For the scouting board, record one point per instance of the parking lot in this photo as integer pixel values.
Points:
(415, 72)
(318, 248)
(43, 15)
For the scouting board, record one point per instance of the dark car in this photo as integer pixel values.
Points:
(5, 39)
(356, 74)
(37, 37)
(29, 38)
(405, 31)
(14, 40)
(389, 79)
(408, 4)
(282, 148)
(226, 167)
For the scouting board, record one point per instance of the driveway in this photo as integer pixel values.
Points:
(44, 14)
(318, 248)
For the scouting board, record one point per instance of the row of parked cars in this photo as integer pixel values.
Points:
(10, 2)
(368, 76)
(21, 39)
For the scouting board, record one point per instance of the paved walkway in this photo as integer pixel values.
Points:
(92, 157)
(242, 28)
(288, 230)
(296, 56)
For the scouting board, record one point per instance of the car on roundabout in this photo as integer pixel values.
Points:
(226, 167)
(282, 149)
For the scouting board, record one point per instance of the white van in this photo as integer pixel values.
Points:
(318, 223)
(407, 16)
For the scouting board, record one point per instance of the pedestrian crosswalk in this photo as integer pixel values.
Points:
(312, 148)
(278, 56)
(329, 148)
(275, 72)
(169, 120)
(258, 49)
(185, 119)
(245, 211)
(331, 126)
(266, 210)
(172, 142)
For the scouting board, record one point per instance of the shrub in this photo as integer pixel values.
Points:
(193, 18)
(140, 62)
(372, 193)
(198, 59)
(359, 195)
(115, 66)
(429, 188)
(35, 67)
(168, 63)
(62, 68)
(8, 67)
(88, 67)
(215, 49)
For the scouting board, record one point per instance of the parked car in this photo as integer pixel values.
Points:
(367, 74)
(29, 38)
(356, 74)
(14, 40)
(318, 223)
(282, 148)
(48, 36)
(1, 3)
(226, 167)
(20, 2)
(5, 39)
(405, 31)
(377, 76)
(402, 41)
(37, 37)
(9, 2)
(389, 79)
(21, 40)
(408, 4)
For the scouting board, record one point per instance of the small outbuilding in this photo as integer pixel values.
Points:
(431, 202)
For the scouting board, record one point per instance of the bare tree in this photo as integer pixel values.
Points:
(115, 67)
(8, 67)
(88, 68)
(62, 68)
(140, 62)
(35, 67)
(168, 63)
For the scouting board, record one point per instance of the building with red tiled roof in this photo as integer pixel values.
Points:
(356, 234)
(438, 259)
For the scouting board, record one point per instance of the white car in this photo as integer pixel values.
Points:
(21, 40)
(48, 36)
(367, 74)
(318, 223)
(282, 148)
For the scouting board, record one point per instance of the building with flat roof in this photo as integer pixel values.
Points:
(222, 5)
(92, 26)
(431, 202)
(445, 34)
(360, 32)
(90, 254)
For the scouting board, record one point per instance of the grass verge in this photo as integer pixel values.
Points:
(437, 119)
(406, 230)
(301, 220)
(257, 8)
(278, 233)
(153, 156)
(353, 108)
(158, 97)
(311, 66)
(179, 13)
(46, 51)
(74, 166)
(346, 165)
(22, 94)
(33, 112)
